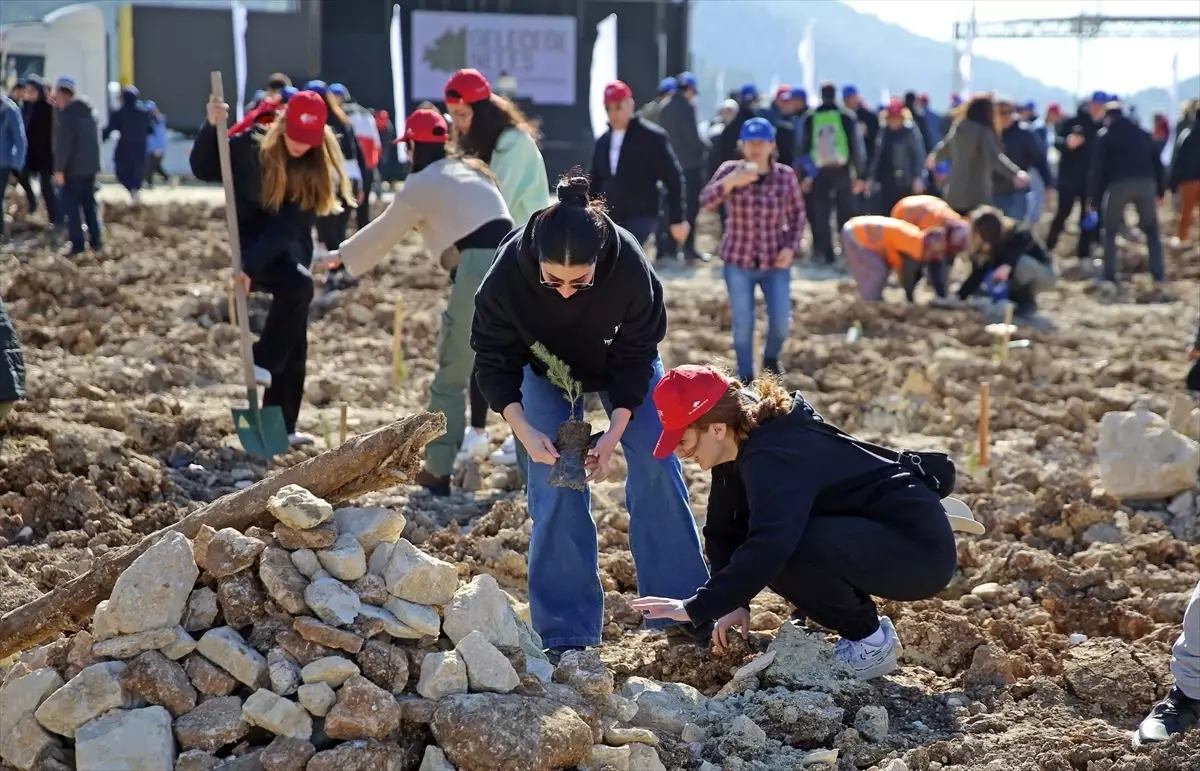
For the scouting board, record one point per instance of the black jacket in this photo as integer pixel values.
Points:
(12, 364)
(276, 246)
(759, 505)
(1019, 242)
(646, 159)
(678, 118)
(1185, 160)
(726, 148)
(39, 131)
(608, 335)
(869, 121)
(1024, 149)
(785, 141)
(1122, 151)
(1073, 164)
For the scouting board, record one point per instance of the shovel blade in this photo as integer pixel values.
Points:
(261, 431)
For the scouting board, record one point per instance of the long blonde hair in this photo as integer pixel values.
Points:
(309, 180)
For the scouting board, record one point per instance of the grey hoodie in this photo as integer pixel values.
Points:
(77, 140)
(975, 155)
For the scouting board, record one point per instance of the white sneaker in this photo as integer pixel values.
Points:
(870, 661)
(507, 454)
(300, 439)
(262, 376)
(474, 445)
(1175, 242)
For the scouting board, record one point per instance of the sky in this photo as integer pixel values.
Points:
(1114, 65)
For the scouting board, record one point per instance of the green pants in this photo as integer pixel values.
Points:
(455, 360)
(5, 408)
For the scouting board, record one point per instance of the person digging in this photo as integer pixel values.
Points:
(798, 506)
(570, 306)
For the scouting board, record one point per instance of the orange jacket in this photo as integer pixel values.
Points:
(894, 239)
(925, 211)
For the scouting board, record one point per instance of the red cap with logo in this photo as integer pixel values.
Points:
(306, 114)
(617, 92)
(425, 126)
(470, 86)
(683, 395)
(895, 108)
(783, 92)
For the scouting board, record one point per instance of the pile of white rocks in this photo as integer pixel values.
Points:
(326, 642)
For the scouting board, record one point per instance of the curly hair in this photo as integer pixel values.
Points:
(746, 407)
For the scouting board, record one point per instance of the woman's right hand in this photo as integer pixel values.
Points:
(739, 618)
(218, 111)
(538, 445)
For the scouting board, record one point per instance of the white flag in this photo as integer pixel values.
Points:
(239, 53)
(604, 71)
(398, 99)
(808, 60)
(965, 65)
(1173, 109)
(720, 89)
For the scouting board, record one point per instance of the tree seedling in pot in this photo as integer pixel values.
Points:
(573, 438)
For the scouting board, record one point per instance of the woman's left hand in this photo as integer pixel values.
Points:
(600, 456)
(660, 607)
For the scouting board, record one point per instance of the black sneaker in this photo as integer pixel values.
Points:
(1173, 715)
(554, 655)
(436, 485)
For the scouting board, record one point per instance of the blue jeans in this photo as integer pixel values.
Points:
(1015, 205)
(776, 285)
(566, 601)
(1037, 196)
(77, 205)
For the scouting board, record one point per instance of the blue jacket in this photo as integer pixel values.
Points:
(157, 142)
(12, 135)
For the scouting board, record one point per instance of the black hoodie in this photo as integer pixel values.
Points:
(1073, 165)
(759, 505)
(607, 334)
(39, 130)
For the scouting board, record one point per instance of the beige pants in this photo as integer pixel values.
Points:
(5, 408)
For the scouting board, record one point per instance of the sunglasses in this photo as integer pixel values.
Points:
(578, 284)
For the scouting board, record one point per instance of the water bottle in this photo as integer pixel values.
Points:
(854, 333)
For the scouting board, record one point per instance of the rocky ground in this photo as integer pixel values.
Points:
(1047, 648)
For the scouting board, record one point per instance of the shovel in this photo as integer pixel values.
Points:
(261, 431)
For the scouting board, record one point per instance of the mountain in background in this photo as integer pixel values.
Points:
(756, 40)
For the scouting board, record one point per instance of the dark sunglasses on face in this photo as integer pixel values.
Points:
(578, 284)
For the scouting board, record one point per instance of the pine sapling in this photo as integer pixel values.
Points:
(573, 436)
(558, 373)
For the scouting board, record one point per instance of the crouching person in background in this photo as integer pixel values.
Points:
(877, 246)
(1180, 710)
(283, 180)
(1006, 250)
(12, 365)
(801, 508)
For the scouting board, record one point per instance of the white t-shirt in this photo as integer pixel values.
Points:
(614, 150)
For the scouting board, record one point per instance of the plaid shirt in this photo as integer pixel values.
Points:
(762, 219)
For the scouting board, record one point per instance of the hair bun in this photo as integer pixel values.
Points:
(573, 191)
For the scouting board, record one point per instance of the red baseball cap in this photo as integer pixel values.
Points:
(425, 126)
(470, 85)
(1053, 107)
(895, 108)
(617, 92)
(683, 395)
(306, 114)
(783, 92)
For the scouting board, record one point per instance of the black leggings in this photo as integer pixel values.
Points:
(901, 548)
(282, 350)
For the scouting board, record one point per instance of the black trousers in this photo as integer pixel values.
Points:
(899, 548)
(49, 196)
(693, 181)
(363, 213)
(154, 167)
(831, 194)
(282, 350)
(479, 405)
(1068, 197)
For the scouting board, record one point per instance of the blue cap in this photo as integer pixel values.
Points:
(1031, 106)
(150, 105)
(849, 91)
(1090, 221)
(997, 290)
(317, 86)
(798, 93)
(686, 80)
(288, 92)
(942, 168)
(1100, 96)
(1113, 98)
(130, 91)
(337, 89)
(65, 82)
(759, 129)
(748, 91)
(668, 86)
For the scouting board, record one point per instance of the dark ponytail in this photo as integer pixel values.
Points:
(574, 231)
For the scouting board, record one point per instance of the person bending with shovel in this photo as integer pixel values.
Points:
(283, 180)
(800, 507)
(571, 306)
(453, 201)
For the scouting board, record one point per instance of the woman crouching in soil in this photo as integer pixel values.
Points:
(574, 282)
(454, 203)
(283, 180)
(799, 508)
